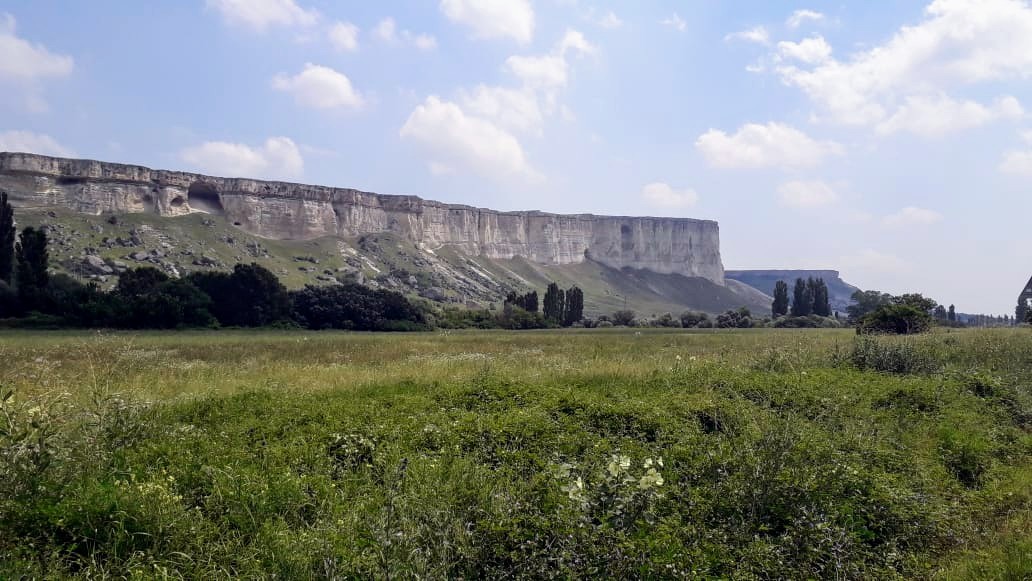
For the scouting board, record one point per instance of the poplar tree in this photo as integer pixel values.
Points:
(779, 307)
(31, 275)
(6, 239)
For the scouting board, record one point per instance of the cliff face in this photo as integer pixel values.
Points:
(296, 211)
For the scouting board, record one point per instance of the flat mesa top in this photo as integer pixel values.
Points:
(20, 162)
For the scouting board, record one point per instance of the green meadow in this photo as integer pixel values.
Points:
(612, 453)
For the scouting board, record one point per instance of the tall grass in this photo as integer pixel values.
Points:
(780, 454)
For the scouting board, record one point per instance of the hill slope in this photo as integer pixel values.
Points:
(98, 247)
(839, 291)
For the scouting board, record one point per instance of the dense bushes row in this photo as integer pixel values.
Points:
(250, 296)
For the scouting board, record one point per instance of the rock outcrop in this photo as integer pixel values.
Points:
(280, 210)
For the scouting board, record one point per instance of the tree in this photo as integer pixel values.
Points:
(951, 314)
(916, 300)
(574, 305)
(897, 318)
(940, 313)
(802, 298)
(690, 319)
(552, 307)
(251, 296)
(32, 261)
(779, 307)
(865, 302)
(138, 282)
(623, 318)
(6, 239)
(821, 302)
(735, 319)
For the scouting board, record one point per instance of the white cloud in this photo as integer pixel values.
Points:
(320, 87)
(344, 36)
(609, 20)
(911, 216)
(514, 109)
(1017, 162)
(25, 65)
(936, 115)
(260, 15)
(278, 158)
(813, 50)
(490, 19)
(454, 139)
(869, 261)
(960, 43)
(758, 34)
(770, 145)
(387, 32)
(675, 21)
(800, 16)
(550, 71)
(1026, 136)
(29, 142)
(662, 195)
(807, 194)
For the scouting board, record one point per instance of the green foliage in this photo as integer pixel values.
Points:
(642, 454)
(250, 296)
(623, 318)
(528, 302)
(31, 272)
(355, 307)
(899, 319)
(888, 356)
(865, 302)
(739, 318)
(574, 306)
(552, 305)
(6, 239)
(690, 319)
(780, 305)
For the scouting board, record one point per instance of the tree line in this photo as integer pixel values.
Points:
(809, 297)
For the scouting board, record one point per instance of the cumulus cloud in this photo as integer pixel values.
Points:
(959, 43)
(911, 216)
(662, 195)
(29, 142)
(260, 15)
(1017, 162)
(514, 109)
(936, 115)
(491, 19)
(807, 194)
(387, 32)
(609, 20)
(24, 65)
(799, 17)
(344, 36)
(550, 71)
(758, 34)
(455, 139)
(675, 21)
(277, 158)
(320, 87)
(770, 145)
(812, 50)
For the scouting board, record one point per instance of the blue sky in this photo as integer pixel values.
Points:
(889, 140)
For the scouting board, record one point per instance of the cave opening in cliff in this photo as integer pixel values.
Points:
(204, 198)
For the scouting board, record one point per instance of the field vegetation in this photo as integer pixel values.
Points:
(649, 453)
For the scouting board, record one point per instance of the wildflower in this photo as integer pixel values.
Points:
(618, 464)
(651, 479)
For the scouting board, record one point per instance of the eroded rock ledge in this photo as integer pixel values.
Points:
(297, 211)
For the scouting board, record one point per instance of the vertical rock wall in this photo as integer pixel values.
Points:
(296, 211)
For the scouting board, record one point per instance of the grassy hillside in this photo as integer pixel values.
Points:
(617, 454)
(202, 242)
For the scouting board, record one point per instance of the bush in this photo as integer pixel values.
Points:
(691, 319)
(355, 307)
(898, 319)
(623, 318)
(735, 319)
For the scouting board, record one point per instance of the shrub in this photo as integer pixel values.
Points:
(691, 319)
(624, 318)
(899, 319)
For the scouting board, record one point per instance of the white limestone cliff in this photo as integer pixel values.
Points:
(296, 211)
